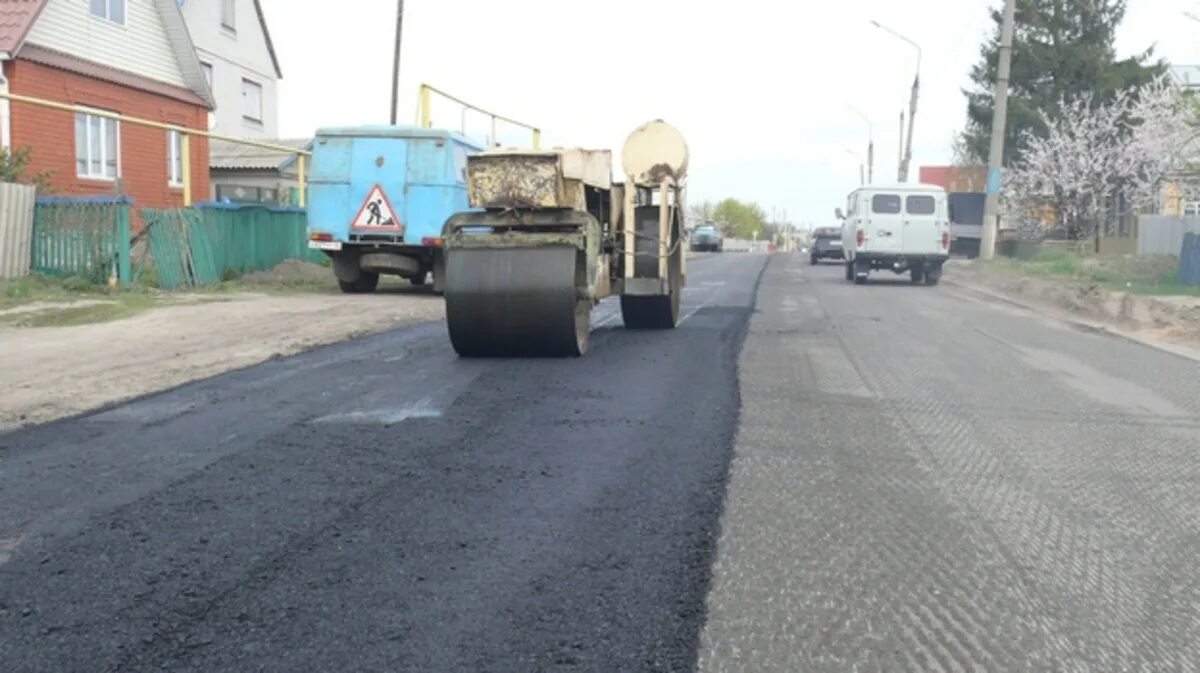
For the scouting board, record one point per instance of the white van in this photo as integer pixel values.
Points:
(902, 228)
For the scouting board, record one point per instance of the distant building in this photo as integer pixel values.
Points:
(1186, 77)
(235, 50)
(122, 56)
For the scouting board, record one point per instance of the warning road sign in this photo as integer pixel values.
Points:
(376, 212)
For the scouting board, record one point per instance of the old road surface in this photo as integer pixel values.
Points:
(806, 476)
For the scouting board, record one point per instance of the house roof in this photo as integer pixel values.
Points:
(185, 50)
(230, 156)
(1185, 76)
(262, 21)
(56, 59)
(16, 18)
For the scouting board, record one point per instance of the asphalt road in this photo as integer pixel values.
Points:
(926, 482)
(381, 505)
(806, 476)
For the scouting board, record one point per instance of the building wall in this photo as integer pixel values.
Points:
(234, 56)
(140, 46)
(266, 179)
(142, 163)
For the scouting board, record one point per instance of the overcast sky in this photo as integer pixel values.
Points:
(763, 90)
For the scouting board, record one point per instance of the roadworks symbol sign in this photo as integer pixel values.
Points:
(376, 212)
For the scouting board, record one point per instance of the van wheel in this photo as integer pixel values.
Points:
(849, 270)
(933, 274)
(812, 260)
(918, 275)
(861, 269)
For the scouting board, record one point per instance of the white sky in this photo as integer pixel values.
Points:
(761, 89)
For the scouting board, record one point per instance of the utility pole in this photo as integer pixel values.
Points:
(396, 61)
(870, 145)
(900, 157)
(906, 149)
(991, 208)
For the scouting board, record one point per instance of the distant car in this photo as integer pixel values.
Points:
(707, 237)
(827, 244)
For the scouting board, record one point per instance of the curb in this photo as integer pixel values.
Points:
(1185, 352)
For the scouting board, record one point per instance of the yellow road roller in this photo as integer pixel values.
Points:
(553, 234)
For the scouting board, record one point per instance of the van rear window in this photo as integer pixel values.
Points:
(920, 205)
(885, 204)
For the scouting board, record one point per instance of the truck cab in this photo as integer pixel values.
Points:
(900, 228)
(378, 198)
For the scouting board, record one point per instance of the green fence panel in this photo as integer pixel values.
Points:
(205, 244)
(87, 237)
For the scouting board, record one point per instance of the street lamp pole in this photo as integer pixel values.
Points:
(396, 60)
(912, 103)
(861, 178)
(870, 145)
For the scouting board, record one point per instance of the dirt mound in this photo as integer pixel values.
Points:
(1170, 318)
(290, 272)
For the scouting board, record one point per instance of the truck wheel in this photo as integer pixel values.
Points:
(812, 260)
(918, 274)
(849, 270)
(933, 275)
(366, 283)
(418, 280)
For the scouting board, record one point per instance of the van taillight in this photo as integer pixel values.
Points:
(860, 237)
(945, 240)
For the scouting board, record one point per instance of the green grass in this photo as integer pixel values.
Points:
(1126, 273)
(66, 316)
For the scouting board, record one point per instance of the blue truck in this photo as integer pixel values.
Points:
(378, 197)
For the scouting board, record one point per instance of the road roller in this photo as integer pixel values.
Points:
(551, 234)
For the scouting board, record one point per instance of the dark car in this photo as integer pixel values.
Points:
(827, 244)
(707, 237)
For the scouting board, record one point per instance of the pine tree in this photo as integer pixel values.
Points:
(1062, 51)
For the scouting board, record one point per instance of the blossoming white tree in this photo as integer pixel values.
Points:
(1098, 154)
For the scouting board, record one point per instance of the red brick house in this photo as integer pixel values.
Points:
(132, 57)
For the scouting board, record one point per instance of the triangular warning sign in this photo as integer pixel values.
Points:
(376, 212)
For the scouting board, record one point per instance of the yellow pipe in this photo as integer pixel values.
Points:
(185, 158)
(136, 121)
(425, 121)
(302, 178)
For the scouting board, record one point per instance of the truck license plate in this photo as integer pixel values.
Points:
(325, 245)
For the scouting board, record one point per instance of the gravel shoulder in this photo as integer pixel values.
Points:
(54, 372)
(1166, 319)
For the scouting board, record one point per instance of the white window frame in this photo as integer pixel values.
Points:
(229, 15)
(174, 159)
(108, 11)
(87, 174)
(259, 118)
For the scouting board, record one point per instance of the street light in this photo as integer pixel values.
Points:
(870, 144)
(912, 104)
(861, 180)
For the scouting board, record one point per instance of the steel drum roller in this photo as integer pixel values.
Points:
(515, 302)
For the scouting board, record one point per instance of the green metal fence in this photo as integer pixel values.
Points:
(210, 242)
(88, 237)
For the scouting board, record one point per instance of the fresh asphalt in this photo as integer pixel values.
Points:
(383, 505)
(807, 475)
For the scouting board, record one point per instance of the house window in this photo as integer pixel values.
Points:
(174, 158)
(208, 73)
(229, 15)
(251, 100)
(113, 10)
(97, 147)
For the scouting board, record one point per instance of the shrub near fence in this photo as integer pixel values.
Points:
(87, 237)
(209, 242)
